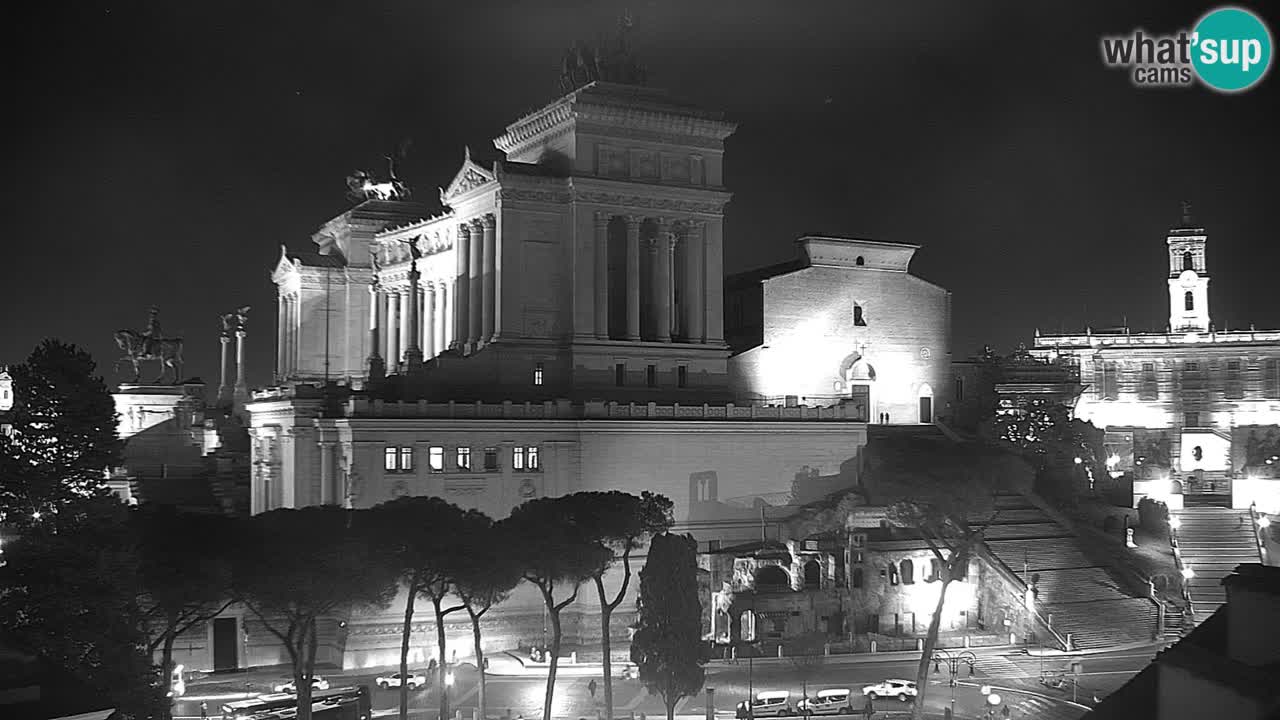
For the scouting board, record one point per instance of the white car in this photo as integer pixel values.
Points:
(317, 683)
(766, 704)
(827, 702)
(414, 680)
(904, 690)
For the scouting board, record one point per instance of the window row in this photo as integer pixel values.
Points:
(904, 573)
(399, 459)
(650, 375)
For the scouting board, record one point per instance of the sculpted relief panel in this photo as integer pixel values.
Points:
(645, 164)
(675, 168)
(611, 161)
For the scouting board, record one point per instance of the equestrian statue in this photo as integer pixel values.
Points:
(151, 345)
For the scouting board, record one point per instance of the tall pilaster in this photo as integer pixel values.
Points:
(377, 368)
(328, 485)
(660, 261)
(633, 277)
(489, 225)
(444, 323)
(282, 331)
(475, 282)
(462, 289)
(405, 302)
(712, 243)
(602, 275)
(694, 292)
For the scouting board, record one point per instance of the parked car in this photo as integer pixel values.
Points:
(317, 683)
(833, 701)
(904, 690)
(767, 704)
(414, 680)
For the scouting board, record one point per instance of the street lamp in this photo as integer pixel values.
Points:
(1264, 522)
(953, 662)
(1174, 523)
(1188, 573)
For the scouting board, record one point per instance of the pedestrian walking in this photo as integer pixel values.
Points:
(204, 710)
(591, 688)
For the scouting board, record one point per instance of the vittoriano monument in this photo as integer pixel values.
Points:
(151, 345)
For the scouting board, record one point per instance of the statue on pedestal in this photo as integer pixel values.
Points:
(151, 345)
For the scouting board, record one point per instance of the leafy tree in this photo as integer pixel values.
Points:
(668, 642)
(69, 594)
(184, 584)
(298, 566)
(620, 522)
(427, 542)
(1047, 436)
(63, 435)
(487, 579)
(944, 492)
(553, 547)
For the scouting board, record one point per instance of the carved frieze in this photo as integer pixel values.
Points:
(611, 161)
(675, 167)
(545, 196)
(645, 164)
(649, 203)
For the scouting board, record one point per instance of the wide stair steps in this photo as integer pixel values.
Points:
(1079, 596)
(1212, 542)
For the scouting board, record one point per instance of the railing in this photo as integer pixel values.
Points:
(1256, 520)
(592, 410)
(1018, 582)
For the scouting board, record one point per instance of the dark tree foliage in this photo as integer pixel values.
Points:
(185, 573)
(296, 567)
(69, 594)
(487, 579)
(667, 646)
(553, 546)
(1047, 436)
(620, 522)
(426, 540)
(63, 435)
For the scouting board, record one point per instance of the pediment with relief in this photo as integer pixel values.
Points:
(470, 176)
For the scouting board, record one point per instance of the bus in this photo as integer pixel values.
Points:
(345, 703)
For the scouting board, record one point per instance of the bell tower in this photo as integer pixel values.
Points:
(1188, 277)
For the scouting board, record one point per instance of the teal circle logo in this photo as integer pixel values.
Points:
(1231, 49)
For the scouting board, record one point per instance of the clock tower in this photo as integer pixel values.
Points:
(1188, 277)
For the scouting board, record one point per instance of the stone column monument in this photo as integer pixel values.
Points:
(224, 337)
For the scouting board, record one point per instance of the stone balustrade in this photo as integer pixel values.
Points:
(1045, 342)
(592, 410)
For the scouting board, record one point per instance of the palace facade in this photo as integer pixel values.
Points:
(1192, 410)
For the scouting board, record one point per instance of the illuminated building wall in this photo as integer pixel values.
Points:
(845, 323)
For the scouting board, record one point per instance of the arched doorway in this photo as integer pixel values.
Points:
(812, 575)
(859, 381)
(925, 396)
(772, 578)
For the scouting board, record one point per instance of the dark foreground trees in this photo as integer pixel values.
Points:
(299, 567)
(668, 643)
(489, 576)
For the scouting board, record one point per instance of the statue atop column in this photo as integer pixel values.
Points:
(150, 345)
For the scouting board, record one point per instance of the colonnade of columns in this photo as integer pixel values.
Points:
(396, 310)
(684, 255)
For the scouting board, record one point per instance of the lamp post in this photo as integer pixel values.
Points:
(953, 662)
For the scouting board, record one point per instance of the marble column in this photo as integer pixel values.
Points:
(462, 289)
(282, 328)
(602, 275)
(328, 488)
(475, 286)
(429, 320)
(291, 358)
(660, 262)
(241, 393)
(413, 321)
(633, 277)
(393, 329)
(694, 292)
(376, 366)
(444, 309)
(490, 279)
(222, 366)
(403, 324)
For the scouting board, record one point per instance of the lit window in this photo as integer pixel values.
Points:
(464, 458)
(682, 376)
(435, 458)
(389, 459)
(406, 459)
(1192, 367)
(651, 375)
(537, 374)
(491, 458)
(525, 459)
(1148, 367)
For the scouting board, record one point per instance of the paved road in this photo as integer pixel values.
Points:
(1015, 677)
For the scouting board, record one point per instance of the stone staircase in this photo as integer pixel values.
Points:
(1212, 542)
(1078, 596)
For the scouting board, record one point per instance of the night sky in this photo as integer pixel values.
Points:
(164, 150)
